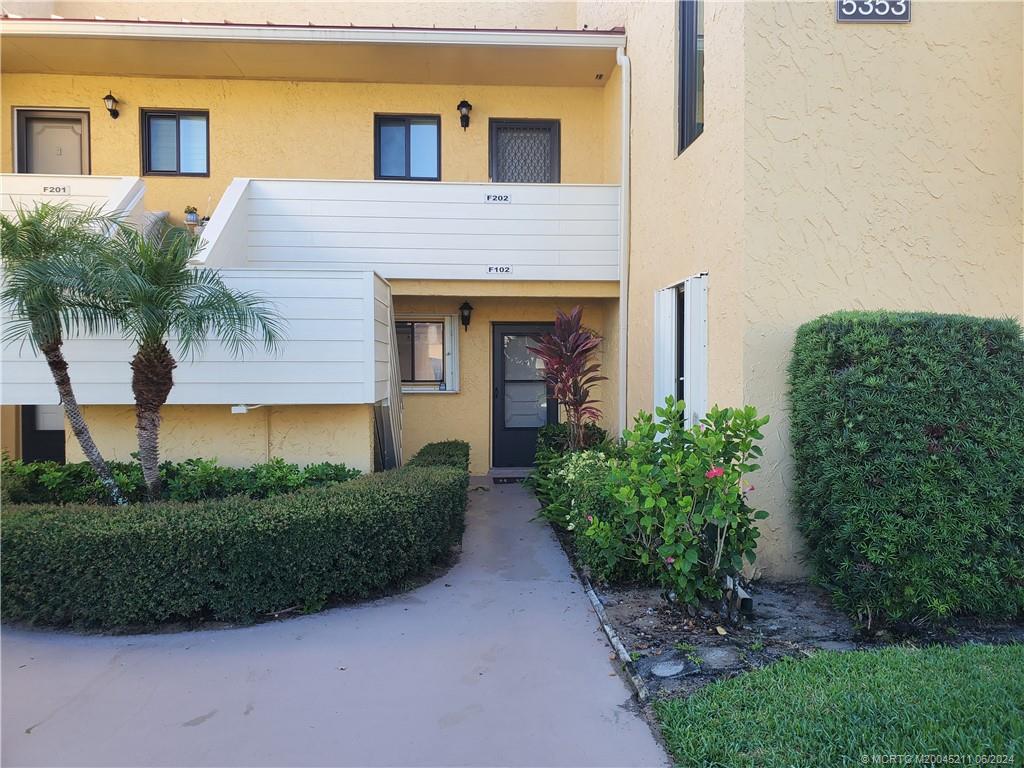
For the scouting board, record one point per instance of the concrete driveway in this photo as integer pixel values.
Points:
(499, 662)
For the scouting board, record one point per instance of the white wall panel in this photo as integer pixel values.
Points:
(332, 353)
(422, 229)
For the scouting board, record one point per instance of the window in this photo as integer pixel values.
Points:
(175, 143)
(428, 353)
(407, 147)
(681, 345)
(691, 71)
(525, 151)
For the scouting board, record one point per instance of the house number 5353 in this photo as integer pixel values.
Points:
(873, 10)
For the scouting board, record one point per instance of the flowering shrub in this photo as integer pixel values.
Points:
(552, 452)
(681, 517)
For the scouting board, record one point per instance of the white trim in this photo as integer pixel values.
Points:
(694, 326)
(695, 347)
(624, 213)
(451, 351)
(282, 34)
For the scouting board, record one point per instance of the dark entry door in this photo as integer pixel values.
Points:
(521, 403)
(42, 433)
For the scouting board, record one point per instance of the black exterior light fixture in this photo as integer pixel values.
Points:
(464, 109)
(111, 104)
(465, 312)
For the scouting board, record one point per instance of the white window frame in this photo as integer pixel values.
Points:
(694, 327)
(451, 353)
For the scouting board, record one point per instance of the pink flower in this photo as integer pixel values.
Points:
(714, 472)
(750, 488)
(670, 560)
(590, 518)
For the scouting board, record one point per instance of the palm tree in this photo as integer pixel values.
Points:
(153, 294)
(47, 253)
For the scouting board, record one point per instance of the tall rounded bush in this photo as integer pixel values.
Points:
(908, 441)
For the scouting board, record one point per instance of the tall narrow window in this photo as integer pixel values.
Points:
(681, 345)
(175, 143)
(407, 147)
(691, 71)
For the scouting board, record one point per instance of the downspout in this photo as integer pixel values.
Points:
(623, 61)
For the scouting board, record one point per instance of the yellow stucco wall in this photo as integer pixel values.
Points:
(686, 210)
(883, 171)
(302, 434)
(10, 430)
(304, 129)
(485, 14)
(466, 414)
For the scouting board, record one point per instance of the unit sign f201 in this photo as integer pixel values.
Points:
(859, 11)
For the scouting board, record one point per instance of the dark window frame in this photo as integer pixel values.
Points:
(148, 112)
(407, 119)
(689, 128)
(412, 351)
(555, 126)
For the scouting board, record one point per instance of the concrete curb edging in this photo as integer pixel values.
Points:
(627, 663)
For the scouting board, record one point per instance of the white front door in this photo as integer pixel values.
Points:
(52, 142)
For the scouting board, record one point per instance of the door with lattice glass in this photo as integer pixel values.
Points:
(525, 151)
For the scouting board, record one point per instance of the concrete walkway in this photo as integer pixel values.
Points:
(499, 662)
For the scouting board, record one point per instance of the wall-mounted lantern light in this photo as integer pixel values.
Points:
(111, 104)
(464, 109)
(465, 312)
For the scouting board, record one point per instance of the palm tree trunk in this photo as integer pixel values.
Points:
(59, 370)
(152, 380)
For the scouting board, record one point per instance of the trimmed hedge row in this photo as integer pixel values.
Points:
(449, 453)
(232, 560)
(47, 482)
(908, 439)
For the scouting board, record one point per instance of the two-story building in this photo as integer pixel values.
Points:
(419, 186)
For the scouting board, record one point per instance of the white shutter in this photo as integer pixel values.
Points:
(695, 347)
(691, 298)
(666, 323)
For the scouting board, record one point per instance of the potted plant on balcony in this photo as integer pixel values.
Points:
(191, 215)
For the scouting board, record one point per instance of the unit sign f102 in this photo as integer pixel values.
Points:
(860, 11)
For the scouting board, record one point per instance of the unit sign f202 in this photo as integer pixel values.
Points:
(855, 11)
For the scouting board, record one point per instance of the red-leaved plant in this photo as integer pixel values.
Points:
(571, 372)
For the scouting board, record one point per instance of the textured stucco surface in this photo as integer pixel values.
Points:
(486, 14)
(301, 434)
(304, 130)
(686, 210)
(500, 662)
(10, 430)
(882, 171)
(466, 414)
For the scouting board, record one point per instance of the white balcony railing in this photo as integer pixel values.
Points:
(424, 230)
(112, 194)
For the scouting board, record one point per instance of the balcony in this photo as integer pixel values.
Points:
(419, 230)
(113, 194)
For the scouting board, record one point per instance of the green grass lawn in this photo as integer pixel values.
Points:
(833, 708)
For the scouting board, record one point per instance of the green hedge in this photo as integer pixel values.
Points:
(450, 453)
(235, 559)
(47, 482)
(908, 440)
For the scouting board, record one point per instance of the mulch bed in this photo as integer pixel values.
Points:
(676, 650)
